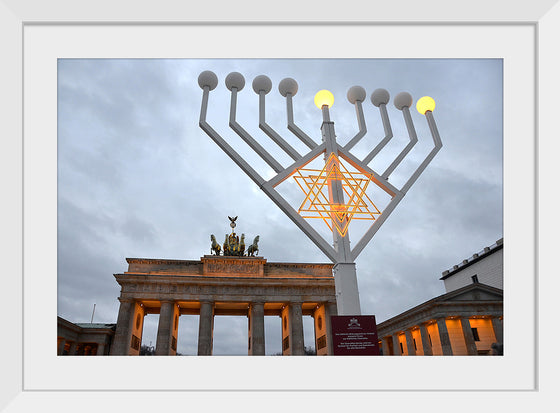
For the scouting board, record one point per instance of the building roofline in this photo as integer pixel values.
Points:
(439, 299)
(182, 262)
(82, 327)
(487, 251)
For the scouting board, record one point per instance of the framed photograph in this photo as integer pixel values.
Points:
(43, 47)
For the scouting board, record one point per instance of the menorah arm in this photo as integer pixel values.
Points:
(400, 194)
(356, 163)
(271, 132)
(437, 146)
(300, 163)
(386, 139)
(273, 163)
(366, 238)
(307, 229)
(235, 157)
(407, 149)
(362, 125)
(292, 126)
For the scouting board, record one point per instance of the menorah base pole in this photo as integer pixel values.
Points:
(346, 284)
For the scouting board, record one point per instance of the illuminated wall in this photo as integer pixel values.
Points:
(456, 337)
(137, 327)
(320, 321)
(418, 340)
(434, 338)
(402, 342)
(485, 333)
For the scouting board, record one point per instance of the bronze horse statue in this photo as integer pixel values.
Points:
(215, 246)
(253, 248)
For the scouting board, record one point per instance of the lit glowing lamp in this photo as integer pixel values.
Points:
(324, 97)
(425, 104)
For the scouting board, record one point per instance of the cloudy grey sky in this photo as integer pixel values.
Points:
(137, 177)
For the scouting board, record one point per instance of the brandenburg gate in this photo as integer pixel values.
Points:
(224, 285)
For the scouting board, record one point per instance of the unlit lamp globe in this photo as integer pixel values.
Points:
(208, 78)
(356, 94)
(288, 85)
(235, 80)
(380, 97)
(425, 104)
(262, 84)
(324, 97)
(403, 100)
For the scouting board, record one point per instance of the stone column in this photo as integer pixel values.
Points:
(123, 330)
(498, 327)
(100, 349)
(292, 330)
(396, 345)
(385, 346)
(469, 338)
(296, 329)
(444, 337)
(426, 346)
(165, 329)
(256, 330)
(409, 342)
(72, 350)
(206, 328)
(60, 348)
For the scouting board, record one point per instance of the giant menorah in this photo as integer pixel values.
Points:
(337, 192)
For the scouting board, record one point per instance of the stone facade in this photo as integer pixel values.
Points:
(83, 339)
(218, 285)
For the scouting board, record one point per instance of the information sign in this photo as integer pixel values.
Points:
(354, 335)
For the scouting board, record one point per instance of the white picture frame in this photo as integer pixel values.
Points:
(537, 24)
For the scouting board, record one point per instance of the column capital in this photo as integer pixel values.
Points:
(126, 300)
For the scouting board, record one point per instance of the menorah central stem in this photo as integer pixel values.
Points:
(336, 192)
(345, 278)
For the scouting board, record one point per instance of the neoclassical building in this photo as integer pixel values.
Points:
(466, 320)
(84, 339)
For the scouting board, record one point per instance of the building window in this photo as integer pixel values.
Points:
(414, 341)
(402, 351)
(474, 279)
(430, 339)
(475, 334)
